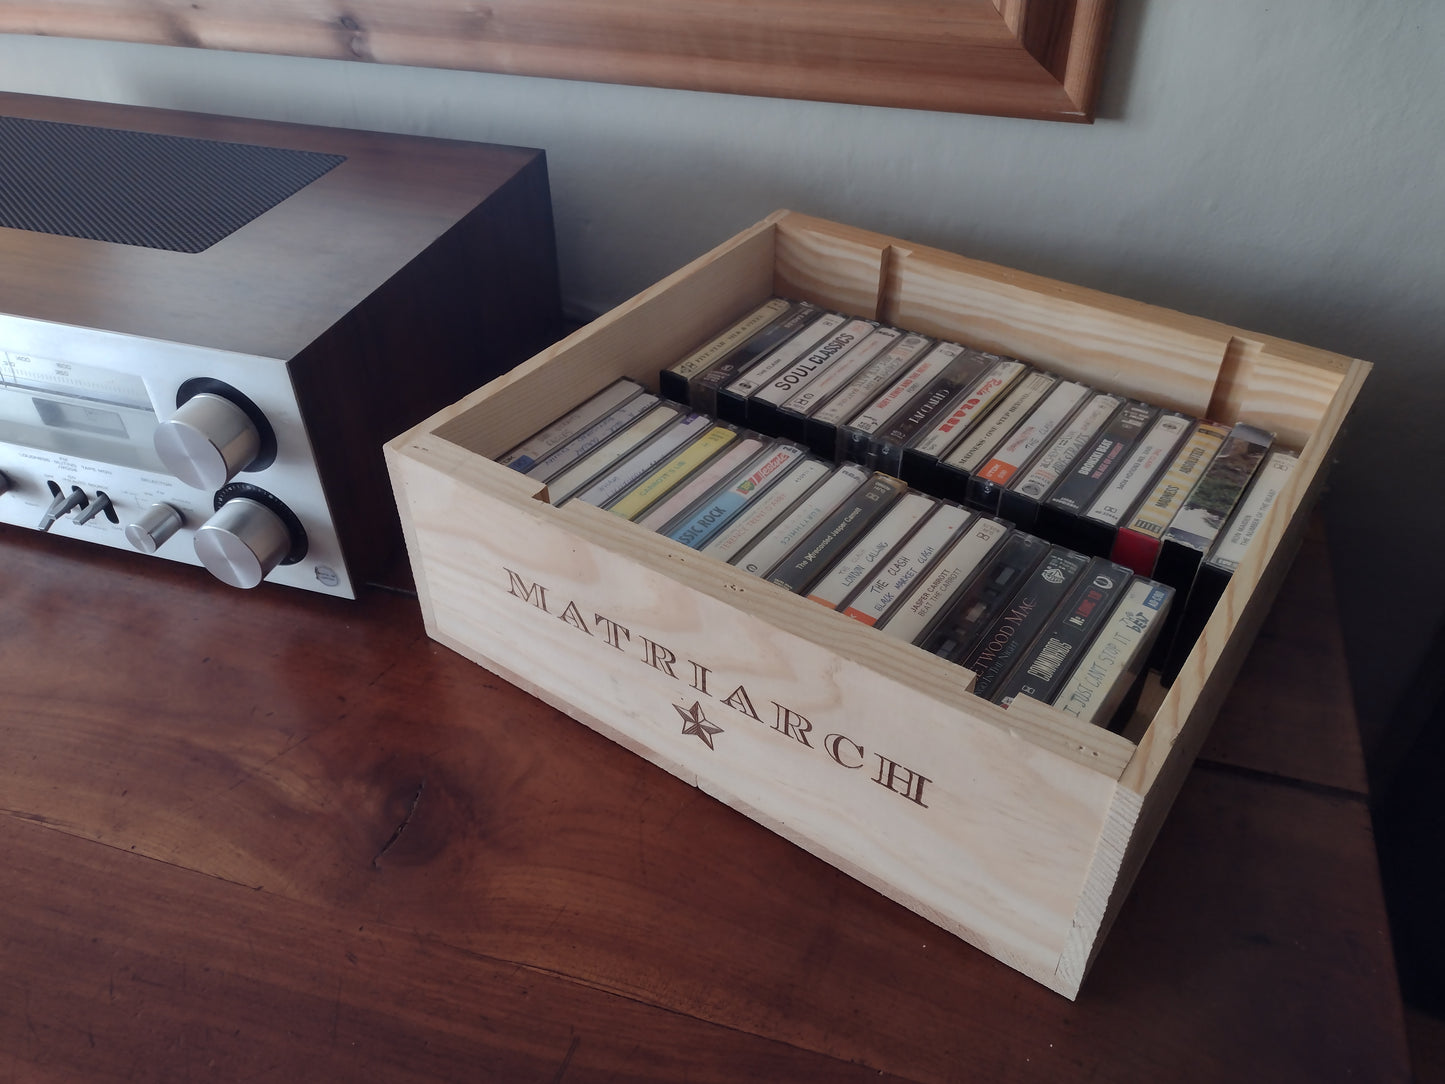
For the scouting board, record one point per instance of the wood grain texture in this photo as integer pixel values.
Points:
(480, 299)
(1026, 58)
(838, 266)
(109, 977)
(272, 288)
(271, 834)
(1277, 387)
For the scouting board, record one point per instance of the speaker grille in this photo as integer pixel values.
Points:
(139, 188)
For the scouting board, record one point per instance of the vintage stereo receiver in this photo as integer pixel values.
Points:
(210, 326)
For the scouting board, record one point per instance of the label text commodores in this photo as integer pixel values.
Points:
(840, 748)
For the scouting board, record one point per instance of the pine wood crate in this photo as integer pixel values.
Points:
(1019, 830)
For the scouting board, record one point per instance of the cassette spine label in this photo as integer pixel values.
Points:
(982, 600)
(886, 447)
(778, 501)
(1269, 482)
(891, 529)
(558, 460)
(1108, 664)
(880, 373)
(1212, 578)
(974, 449)
(693, 489)
(1003, 642)
(896, 576)
(1089, 475)
(763, 406)
(841, 372)
(975, 405)
(525, 456)
(1055, 460)
(700, 524)
(640, 463)
(765, 554)
(931, 597)
(1137, 544)
(606, 455)
(674, 379)
(1052, 656)
(732, 398)
(641, 496)
(1029, 436)
(1197, 524)
(702, 388)
(853, 437)
(1126, 487)
(811, 558)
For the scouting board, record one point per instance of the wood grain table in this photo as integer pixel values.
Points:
(273, 836)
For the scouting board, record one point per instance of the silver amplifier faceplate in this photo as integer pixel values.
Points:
(78, 411)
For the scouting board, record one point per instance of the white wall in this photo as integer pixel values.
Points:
(1276, 166)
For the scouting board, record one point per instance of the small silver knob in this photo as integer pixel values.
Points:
(208, 441)
(156, 524)
(242, 542)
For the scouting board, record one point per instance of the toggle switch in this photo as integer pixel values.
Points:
(63, 504)
(102, 503)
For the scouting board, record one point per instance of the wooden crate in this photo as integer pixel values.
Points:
(1019, 830)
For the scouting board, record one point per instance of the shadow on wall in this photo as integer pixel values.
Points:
(1120, 60)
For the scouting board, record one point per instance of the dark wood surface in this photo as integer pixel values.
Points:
(275, 836)
(1269, 731)
(273, 286)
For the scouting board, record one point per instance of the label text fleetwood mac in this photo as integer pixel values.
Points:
(841, 749)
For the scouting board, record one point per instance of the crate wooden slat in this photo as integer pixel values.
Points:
(1019, 830)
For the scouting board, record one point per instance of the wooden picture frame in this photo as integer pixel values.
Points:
(1019, 58)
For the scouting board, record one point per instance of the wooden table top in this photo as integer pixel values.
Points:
(274, 836)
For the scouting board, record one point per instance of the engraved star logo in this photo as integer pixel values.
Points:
(696, 723)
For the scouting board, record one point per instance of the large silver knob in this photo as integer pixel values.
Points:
(208, 441)
(153, 527)
(242, 542)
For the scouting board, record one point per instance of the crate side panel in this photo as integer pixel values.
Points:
(1161, 356)
(1167, 752)
(1183, 720)
(836, 266)
(1141, 813)
(1252, 587)
(1110, 876)
(980, 830)
(637, 339)
(1277, 386)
